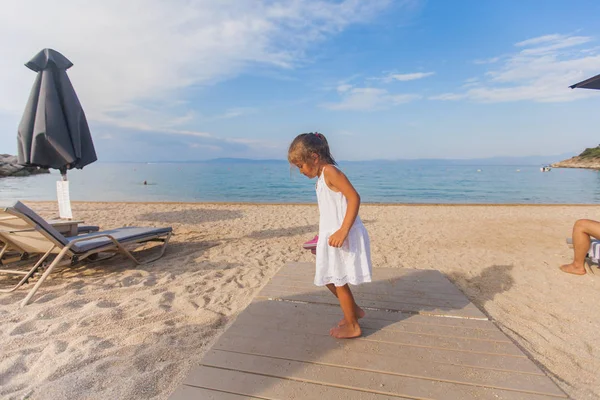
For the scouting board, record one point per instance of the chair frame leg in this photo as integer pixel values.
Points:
(27, 274)
(53, 265)
(4, 249)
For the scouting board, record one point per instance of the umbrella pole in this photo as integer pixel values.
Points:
(64, 199)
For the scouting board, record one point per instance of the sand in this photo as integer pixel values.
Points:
(112, 331)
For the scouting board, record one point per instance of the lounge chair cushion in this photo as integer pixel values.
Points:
(41, 222)
(123, 235)
(81, 229)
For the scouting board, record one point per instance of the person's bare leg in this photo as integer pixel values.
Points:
(360, 313)
(582, 230)
(350, 329)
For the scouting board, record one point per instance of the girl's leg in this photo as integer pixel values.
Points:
(360, 313)
(582, 230)
(350, 329)
(332, 289)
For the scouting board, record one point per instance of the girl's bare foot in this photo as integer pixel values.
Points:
(347, 331)
(573, 269)
(360, 313)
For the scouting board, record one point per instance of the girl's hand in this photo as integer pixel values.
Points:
(338, 238)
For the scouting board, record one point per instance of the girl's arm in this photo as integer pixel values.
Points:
(337, 181)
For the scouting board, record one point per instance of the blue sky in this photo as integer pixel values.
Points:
(201, 79)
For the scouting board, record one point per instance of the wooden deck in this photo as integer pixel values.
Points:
(422, 339)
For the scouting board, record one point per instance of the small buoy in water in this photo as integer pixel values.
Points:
(478, 170)
(518, 170)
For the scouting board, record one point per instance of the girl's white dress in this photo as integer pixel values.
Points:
(350, 263)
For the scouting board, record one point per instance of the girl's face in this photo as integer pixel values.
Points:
(309, 168)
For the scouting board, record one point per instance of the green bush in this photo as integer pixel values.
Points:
(591, 152)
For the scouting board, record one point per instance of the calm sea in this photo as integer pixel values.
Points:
(376, 181)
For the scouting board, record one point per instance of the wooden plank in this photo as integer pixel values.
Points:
(478, 324)
(441, 286)
(185, 392)
(422, 301)
(367, 381)
(397, 287)
(321, 345)
(409, 326)
(382, 320)
(443, 290)
(267, 387)
(425, 278)
(407, 274)
(425, 292)
(319, 324)
(469, 311)
(381, 362)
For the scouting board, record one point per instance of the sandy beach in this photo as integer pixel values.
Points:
(112, 331)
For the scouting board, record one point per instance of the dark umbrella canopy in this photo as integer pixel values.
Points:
(592, 83)
(53, 132)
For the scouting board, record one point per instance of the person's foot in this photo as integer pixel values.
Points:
(360, 313)
(573, 269)
(347, 331)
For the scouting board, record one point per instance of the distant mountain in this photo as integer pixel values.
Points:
(243, 161)
(527, 160)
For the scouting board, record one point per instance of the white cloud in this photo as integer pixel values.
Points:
(448, 96)
(130, 54)
(471, 82)
(541, 71)
(561, 43)
(410, 77)
(234, 113)
(491, 60)
(403, 77)
(540, 39)
(344, 88)
(365, 99)
(373, 98)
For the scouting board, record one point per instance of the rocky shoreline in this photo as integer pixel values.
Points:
(578, 162)
(10, 167)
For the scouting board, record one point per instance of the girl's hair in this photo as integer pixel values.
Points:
(306, 144)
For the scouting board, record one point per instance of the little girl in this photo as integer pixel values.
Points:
(343, 249)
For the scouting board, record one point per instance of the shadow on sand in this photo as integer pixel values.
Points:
(484, 286)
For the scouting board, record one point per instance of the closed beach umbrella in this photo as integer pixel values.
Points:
(592, 83)
(53, 132)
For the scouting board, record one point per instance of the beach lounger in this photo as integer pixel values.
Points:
(21, 228)
(7, 254)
